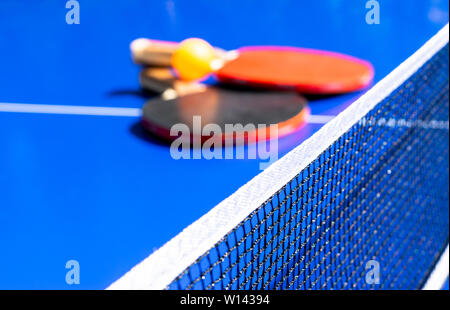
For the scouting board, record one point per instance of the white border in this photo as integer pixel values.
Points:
(159, 269)
(439, 275)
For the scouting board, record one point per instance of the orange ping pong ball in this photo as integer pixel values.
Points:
(193, 59)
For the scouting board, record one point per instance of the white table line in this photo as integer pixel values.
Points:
(103, 111)
(68, 109)
(319, 119)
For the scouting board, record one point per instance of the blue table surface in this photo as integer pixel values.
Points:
(96, 189)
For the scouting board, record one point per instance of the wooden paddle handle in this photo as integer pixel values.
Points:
(164, 82)
(152, 52)
(159, 53)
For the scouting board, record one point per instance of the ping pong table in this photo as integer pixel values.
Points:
(79, 177)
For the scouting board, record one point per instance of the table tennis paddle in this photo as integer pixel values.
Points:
(306, 70)
(180, 101)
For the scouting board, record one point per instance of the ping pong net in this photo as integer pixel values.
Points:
(362, 204)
